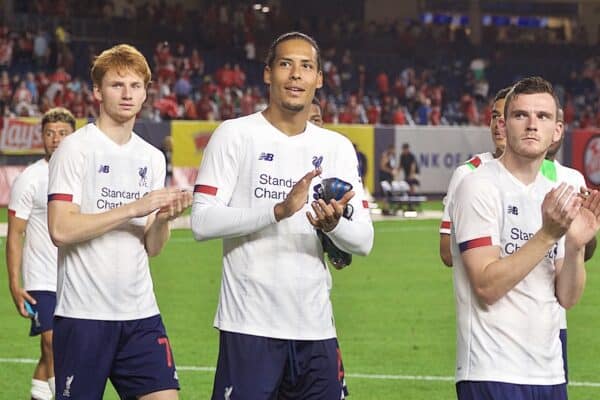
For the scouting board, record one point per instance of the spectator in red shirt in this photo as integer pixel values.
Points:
(239, 77)
(383, 83)
(60, 76)
(224, 76)
(398, 117)
(373, 114)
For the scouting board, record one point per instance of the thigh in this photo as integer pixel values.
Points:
(314, 372)
(83, 354)
(249, 367)
(144, 360)
(43, 319)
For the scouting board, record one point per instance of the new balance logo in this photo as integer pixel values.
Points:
(104, 169)
(228, 391)
(266, 156)
(36, 320)
(67, 391)
(513, 210)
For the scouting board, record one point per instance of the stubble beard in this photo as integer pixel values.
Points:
(292, 107)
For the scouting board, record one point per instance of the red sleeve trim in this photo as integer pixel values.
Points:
(60, 197)
(471, 244)
(210, 190)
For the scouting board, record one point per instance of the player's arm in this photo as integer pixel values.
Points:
(14, 258)
(590, 249)
(445, 253)
(157, 226)
(493, 277)
(67, 225)
(212, 216)
(570, 272)
(19, 209)
(446, 224)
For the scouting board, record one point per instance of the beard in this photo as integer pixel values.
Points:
(292, 107)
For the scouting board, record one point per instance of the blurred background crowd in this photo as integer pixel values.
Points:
(434, 68)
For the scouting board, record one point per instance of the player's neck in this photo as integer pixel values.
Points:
(118, 132)
(522, 168)
(289, 122)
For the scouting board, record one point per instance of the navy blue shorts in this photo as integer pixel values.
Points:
(563, 342)
(487, 390)
(44, 311)
(260, 368)
(135, 355)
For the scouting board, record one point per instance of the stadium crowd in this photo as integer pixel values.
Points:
(192, 81)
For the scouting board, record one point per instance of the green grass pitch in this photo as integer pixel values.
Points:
(394, 313)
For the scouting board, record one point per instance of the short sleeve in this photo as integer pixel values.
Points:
(218, 172)
(457, 177)
(22, 194)
(474, 213)
(67, 166)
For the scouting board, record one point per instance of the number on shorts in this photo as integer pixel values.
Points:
(165, 341)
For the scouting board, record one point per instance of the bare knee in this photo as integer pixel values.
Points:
(47, 346)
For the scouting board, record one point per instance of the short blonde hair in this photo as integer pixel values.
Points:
(58, 114)
(120, 57)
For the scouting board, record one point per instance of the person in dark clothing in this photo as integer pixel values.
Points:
(408, 163)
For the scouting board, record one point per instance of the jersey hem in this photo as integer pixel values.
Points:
(273, 334)
(517, 380)
(107, 317)
(42, 288)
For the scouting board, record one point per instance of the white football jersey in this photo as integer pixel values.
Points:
(29, 201)
(275, 282)
(515, 340)
(457, 176)
(105, 278)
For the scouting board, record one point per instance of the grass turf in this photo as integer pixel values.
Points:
(394, 312)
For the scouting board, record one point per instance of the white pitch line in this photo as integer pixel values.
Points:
(358, 376)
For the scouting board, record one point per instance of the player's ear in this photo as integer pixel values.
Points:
(146, 92)
(97, 93)
(558, 132)
(267, 75)
(320, 79)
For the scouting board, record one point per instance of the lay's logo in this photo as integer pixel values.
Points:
(21, 136)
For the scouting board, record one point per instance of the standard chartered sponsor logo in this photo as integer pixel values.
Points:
(272, 187)
(519, 237)
(109, 198)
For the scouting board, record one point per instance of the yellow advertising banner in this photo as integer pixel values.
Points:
(363, 137)
(191, 137)
(21, 136)
(189, 140)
